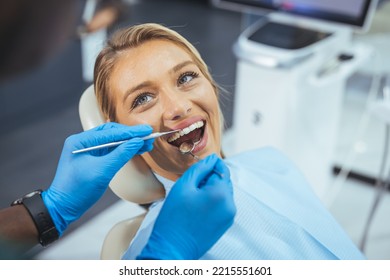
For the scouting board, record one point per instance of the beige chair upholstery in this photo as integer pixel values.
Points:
(134, 182)
(119, 237)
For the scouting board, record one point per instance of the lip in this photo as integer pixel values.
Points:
(202, 144)
(187, 122)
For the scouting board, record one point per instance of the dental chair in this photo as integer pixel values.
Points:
(134, 182)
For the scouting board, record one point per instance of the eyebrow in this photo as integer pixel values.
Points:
(136, 88)
(181, 65)
(175, 69)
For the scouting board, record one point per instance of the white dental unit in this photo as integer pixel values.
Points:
(292, 69)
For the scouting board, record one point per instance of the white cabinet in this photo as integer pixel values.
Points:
(296, 108)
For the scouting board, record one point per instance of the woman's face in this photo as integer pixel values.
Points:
(158, 83)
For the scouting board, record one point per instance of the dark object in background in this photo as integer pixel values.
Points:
(32, 31)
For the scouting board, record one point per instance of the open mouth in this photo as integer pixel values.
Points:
(191, 134)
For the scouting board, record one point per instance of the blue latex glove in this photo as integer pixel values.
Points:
(196, 213)
(81, 179)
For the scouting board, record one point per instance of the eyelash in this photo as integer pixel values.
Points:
(192, 74)
(137, 101)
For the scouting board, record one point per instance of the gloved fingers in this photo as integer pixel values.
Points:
(218, 189)
(118, 126)
(130, 131)
(125, 151)
(219, 173)
(111, 133)
(106, 126)
(199, 171)
(221, 168)
(147, 147)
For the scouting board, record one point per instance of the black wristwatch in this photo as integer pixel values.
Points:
(33, 202)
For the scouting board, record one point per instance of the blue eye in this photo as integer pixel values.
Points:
(141, 99)
(187, 77)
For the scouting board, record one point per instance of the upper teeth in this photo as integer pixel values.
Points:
(185, 131)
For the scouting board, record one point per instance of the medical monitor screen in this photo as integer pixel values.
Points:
(351, 12)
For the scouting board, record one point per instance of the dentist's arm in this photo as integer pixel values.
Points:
(80, 180)
(16, 226)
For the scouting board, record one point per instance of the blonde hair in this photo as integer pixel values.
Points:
(132, 37)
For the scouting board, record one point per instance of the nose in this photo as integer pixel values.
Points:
(176, 106)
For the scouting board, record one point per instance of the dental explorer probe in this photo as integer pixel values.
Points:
(114, 144)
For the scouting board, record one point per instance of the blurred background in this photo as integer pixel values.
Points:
(39, 109)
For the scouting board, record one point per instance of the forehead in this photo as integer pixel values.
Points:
(148, 60)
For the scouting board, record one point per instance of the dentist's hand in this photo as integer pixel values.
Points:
(81, 179)
(196, 213)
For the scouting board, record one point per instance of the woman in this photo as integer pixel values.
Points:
(150, 74)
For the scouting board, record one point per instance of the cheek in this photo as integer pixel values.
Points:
(133, 118)
(208, 101)
(210, 104)
(207, 96)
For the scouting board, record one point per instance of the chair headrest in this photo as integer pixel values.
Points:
(134, 182)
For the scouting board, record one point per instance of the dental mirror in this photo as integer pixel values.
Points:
(187, 148)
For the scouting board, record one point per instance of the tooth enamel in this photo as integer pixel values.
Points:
(185, 131)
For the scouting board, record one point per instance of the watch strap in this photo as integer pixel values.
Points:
(41, 217)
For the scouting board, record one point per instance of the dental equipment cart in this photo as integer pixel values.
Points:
(290, 80)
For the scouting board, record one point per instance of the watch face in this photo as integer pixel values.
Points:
(32, 194)
(16, 202)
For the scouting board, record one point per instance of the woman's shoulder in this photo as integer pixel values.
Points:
(268, 158)
(268, 167)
